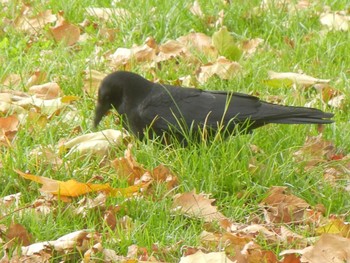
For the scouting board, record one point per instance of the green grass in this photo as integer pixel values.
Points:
(220, 168)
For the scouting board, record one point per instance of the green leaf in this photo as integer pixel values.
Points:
(226, 45)
(277, 83)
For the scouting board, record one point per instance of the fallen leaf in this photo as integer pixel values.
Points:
(335, 226)
(81, 240)
(222, 67)
(338, 21)
(92, 80)
(315, 150)
(46, 91)
(33, 24)
(12, 80)
(37, 77)
(226, 45)
(18, 233)
(337, 102)
(283, 207)
(95, 142)
(8, 129)
(64, 31)
(200, 43)
(329, 248)
(163, 174)
(199, 256)
(288, 78)
(127, 167)
(250, 46)
(73, 188)
(197, 205)
(172, 49)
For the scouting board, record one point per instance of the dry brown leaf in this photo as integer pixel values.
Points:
(329, 248)
(199, 42)
(124, 56)
(65, 31)
(92, 80)
(338, 21)
(231, 242)
(17, 233)
(45, 204)
(282, 207)
(337, 102)
(9, 200)
(172, 49)
(94, 143)
(86, 204)
(163, 174)
(199, 256)
(46, 91)
(250, 46)
(222, 67)
(37, 77)
(81, 240)
(47, 156)
(128, 167)
(33, 23)
(197, 205)
(12, 80)
(316, 150)
(8, 129)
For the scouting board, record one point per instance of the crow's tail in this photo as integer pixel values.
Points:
(272, 113)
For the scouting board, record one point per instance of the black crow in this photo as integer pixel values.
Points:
(163, 109)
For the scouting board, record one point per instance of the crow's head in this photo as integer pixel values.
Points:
(120, 90)
(110, 94)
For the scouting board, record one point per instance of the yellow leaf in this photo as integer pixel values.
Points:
(73, 188)
(335, 226)
(68, 99)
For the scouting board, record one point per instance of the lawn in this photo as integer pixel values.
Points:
(70, 45)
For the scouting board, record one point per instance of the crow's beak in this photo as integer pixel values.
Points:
(101, 110)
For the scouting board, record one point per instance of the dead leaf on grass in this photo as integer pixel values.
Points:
(17, 233)
(64, 31)
(47, 91)
(329, 248)
(279, 79)
(335, 226)
(92, 80)
(95, 142)
(222, 67)
(200, 43)
(283, 207)
(31, 23)
(337, 21)
(197, 206)
(250, 46)
(73, 188)
(199, 256)
(8, 129)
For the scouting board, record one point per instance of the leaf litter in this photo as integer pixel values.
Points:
(284, 216)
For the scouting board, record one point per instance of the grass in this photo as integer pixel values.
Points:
(221, 168)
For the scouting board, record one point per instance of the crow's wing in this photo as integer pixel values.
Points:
(178, 107)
